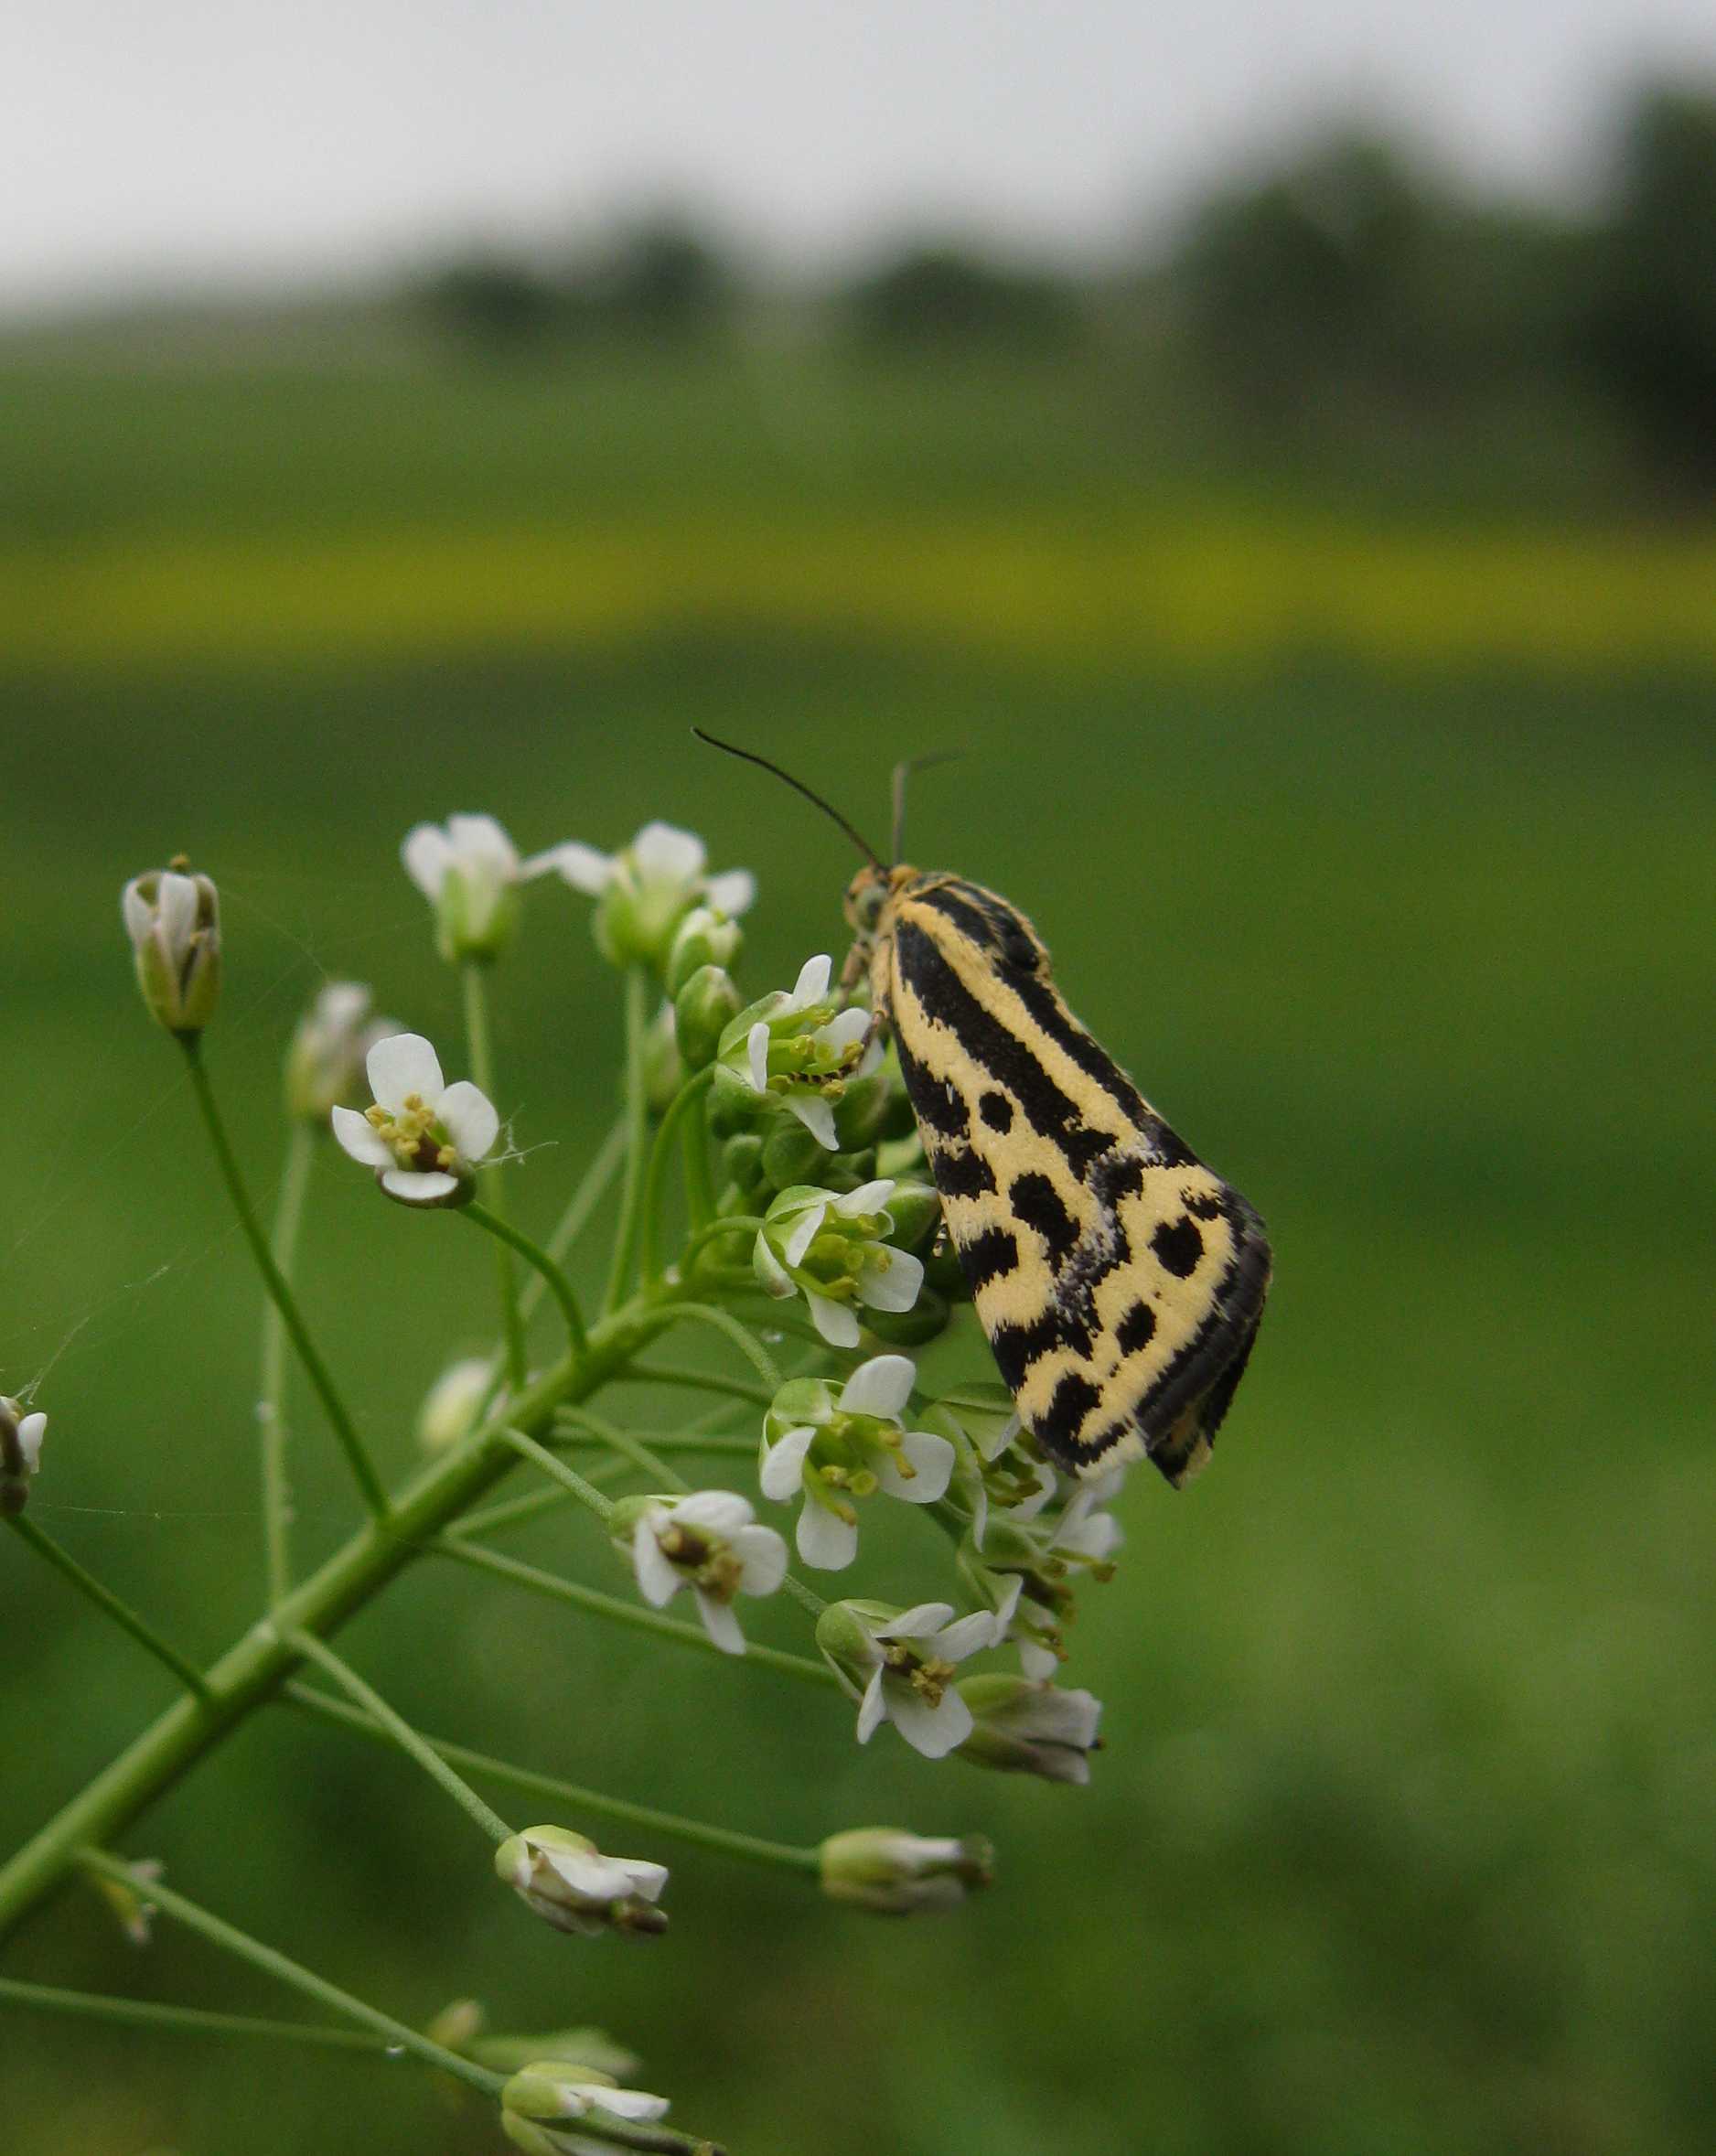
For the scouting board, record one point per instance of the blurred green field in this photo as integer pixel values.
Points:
(1405, 1835)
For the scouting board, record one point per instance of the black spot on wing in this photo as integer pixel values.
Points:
(1070, 1404)
(1137, 1329)
(1040, 999)
(946, 999)
(961, 1172)
(989, 1256)
(1179, 1246)
(1038, 1203)
(1203, 1205)
(1016, 1347)
(996, 1110)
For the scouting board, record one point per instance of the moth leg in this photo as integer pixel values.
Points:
(852, 971)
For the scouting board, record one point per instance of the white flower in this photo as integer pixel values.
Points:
(1086, 1531)
(542, 2105)
(570, 1883)
(173, 918)
(806, 1068)
(834, 1448)
(647, 889)
(453, 1403)
(900, 1665)
(21, 1437)
(422, 1137)
(706, 1542)
(329, 1048)
(831, 1250)
(897, 1873)
(469, 870)
(1025, 1727)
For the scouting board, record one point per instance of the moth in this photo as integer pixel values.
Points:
(1119, 1280)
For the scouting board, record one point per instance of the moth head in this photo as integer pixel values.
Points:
(870, 893)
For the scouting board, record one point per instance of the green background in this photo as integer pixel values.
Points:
(1403, 1836)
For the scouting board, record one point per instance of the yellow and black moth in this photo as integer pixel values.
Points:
(1119, 1280)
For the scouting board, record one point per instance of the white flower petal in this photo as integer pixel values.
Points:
(720, 1622)
(871, 1056)
(804, 1233)
(871, 1707)
(713, 1512)
(772, 1275)
(414, 1187)
(359, 1138)
(880, 1387)
(733, 892)
(666, 854)
(933, 1459)
(890, 1279)
(403, 1063)
(31, 1431)
(817, 1117)
(481, 843)
(824, 1539)
(629, 2103)
(762, 1557)
(933, 1731)
(1006, 1609)
(757, 1056)
(833, 1320)
(869, 1197)
(812, 985)
(1038, 1662)
(176, 899)
(139, 914)
(578, 864)
(657, 1580)
(470, 1118)
(844, 1031)
(427, 856)
(968, 1636)
(919, 1622)
(782, 1471)
(1096, 1537)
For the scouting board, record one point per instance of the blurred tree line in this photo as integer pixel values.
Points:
(1346, 290)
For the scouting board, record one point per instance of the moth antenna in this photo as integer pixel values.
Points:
(902, 772)
(797, 785)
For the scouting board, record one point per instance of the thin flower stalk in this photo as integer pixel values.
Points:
(271, 1402)
(639, 989)
(569, 1478)
(488, 1174)
(110, 1606)
(182, 2021)
(558, 1285)
(686, 1102)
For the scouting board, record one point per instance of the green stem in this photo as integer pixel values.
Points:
(189, 2021)
(273, 1280)
(109, 1603)
(559, 1286)
(712, 1442)
(592, 1189)
(639, 984)
(512, 1510)
(688, 1097)
(489, 1178)
(396, 1727)
(743, 1338)
(628, 1446)
(712, 1231)
(271, 1409)
(529, 1783)
(597, 1604)
(567, 1478)
(700, 1182)
(697, 1381)
(228, 1936)
(255, 1666)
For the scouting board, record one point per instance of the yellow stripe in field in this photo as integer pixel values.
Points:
(1211, 588)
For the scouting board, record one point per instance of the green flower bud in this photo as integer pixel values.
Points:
(664, 1068)
(704, 937)
(790, 1155)
(702, 1007)
(897, 1873)
(847, 1641)
(173, 918)
(917, 1211)
(1025, 1727)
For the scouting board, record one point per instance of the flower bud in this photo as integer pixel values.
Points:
(572, 1885)
(173, 918)
(20, 1453)
(704, 937)
(325, 1063)
(1021, 1726)
(453, 1403)
(847, 1641)
(897, 1873)
(916, 1211)
(790, 1155)
(550, 2108)
(702, 1007)
(663, 1069)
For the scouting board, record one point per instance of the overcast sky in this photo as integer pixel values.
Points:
(155, 141)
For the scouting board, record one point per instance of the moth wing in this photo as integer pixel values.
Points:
(1119, 1280)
